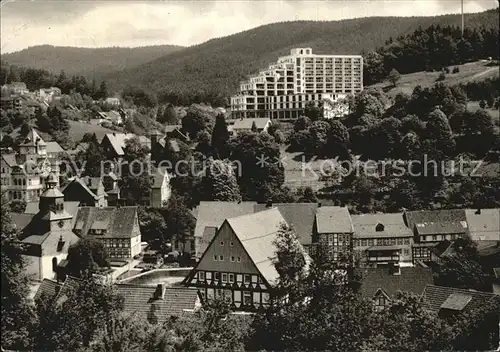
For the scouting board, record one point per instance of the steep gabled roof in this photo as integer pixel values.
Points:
(484, 225)
(412, 279)
(436, 298)
(365, 226)
(333, 220)
(257, 233)
(120, 221)
(213, 214)
(299, 215)
(118, 141)
(10, 159)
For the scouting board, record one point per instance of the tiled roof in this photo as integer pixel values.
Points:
(141, 300)
(333, 220)
(435, 297)
(484, 226)
(247, 123)
(439, 228)
(412, 279)
(118, 140)
(429, 217)
(257, 233)
(22, 220)
(365, 226)
(54, 147)
(120, 220)
(48, 288)
(213, 214)
(299, 215)
(10, 159)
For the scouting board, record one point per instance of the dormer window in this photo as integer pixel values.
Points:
(380, 227)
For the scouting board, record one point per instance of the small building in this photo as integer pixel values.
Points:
(238, 262)
(245, 125)
(381, 285)
(484, 224)
(88, 191)
(382, 238)
(114, 144)
(114, 117)
(112, 101)
(333, 230)
(160, 188)
(116, 227)
(154, 304)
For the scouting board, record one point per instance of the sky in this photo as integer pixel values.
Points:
(90, 23)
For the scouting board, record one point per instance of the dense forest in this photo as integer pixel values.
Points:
(221, 63)
(436, 47)
(92, 63)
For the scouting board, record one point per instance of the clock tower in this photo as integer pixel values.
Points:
(51, 207)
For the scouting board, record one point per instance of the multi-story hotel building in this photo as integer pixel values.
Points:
(287, 86)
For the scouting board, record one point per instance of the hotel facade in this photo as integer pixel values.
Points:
(287, 86)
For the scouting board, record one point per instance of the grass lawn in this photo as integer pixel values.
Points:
(473, 71)
(78, 129)
(474, 105)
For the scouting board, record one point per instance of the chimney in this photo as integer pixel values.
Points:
(160, 291)
(269, 204)
(478, 211)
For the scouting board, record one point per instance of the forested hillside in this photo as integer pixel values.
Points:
(88, 62)
(219, 64)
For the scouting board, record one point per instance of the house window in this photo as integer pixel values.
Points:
(224, 277)
(201, 275)
(247, 298)
(381, 301)
(239, 259)
(215, 257)
(221, 243)
(231, 278)
(231, 243)
(434, 237)
(54, 264)
(216, 276)
(232, 258)
(407, 241)
(363, 242)
(246, 278)
(221, 258)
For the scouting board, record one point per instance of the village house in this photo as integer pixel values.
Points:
(88, 191)
(117, 228)
(113, 144)
(49, 94)
(46, 234)
(382, 239)
(484, 224)
(112, 101)
(160, 188)
(23, 174)
(430, 227)
(238, 262)
(245, 125)
(153, 304)
(382, 284)
(333, 231)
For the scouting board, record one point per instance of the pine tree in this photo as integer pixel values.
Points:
(220, 137)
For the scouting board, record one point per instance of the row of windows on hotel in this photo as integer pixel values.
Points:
(381, 242)
(229, 277)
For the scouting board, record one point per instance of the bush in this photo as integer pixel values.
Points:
(446, 70)
(456, 69)
(442, 77)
